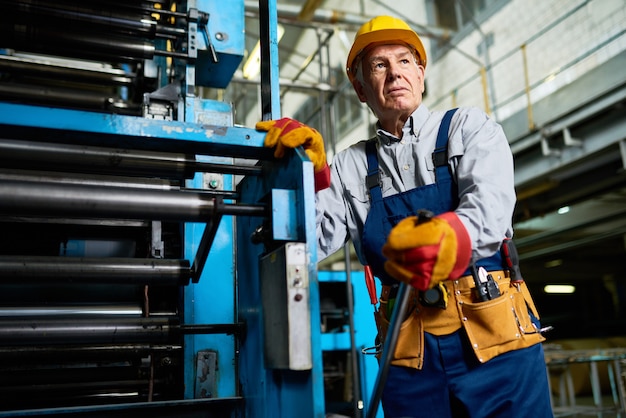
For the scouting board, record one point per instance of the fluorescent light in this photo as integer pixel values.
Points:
(252, 66)
(559, 288)
(563, 210)
(553, 263)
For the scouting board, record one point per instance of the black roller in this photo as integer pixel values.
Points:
(22, 66)
(72, 200)
(55, 96)
(101, 160)
(26, 198)
(90, 159)
(104, 270)
(88, 30)
(76, 44)
(86, 331)
(81, 16)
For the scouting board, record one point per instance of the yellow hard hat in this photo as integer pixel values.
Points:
(383, 29)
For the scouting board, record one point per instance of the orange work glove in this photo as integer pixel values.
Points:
(289, 133)
(425, 254)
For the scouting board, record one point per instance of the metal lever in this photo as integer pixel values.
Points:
(389, 347)
(202, 20)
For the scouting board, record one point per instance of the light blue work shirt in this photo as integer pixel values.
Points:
(481, 162)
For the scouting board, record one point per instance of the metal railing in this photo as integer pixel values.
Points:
(541, 64)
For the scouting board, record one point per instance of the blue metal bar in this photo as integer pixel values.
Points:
(147, 133)
(270, 87)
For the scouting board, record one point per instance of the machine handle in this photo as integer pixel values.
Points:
(389, 347)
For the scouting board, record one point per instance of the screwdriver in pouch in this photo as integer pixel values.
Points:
(511, 259)
(371, 285)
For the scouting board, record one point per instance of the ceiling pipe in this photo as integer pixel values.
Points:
(308, 9)
(337, 17)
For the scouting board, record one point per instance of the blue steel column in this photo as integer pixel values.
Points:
(271, 393)
(270, 87)
(212, 300)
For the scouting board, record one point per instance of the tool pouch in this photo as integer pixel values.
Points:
(410, 346)
(502, 324)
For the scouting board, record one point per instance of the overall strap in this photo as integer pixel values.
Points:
(440, 158)
(372, 171)
(440, 155)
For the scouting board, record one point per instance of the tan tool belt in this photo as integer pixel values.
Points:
(493, 327)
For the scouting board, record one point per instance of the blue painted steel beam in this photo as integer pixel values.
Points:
(274, 393)
(135, 132)
(212, 300)
(270, 87)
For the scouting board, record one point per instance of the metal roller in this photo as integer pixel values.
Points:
(86, 179)
(91, 159)
(137, 6)
(64, 42)
(69, 200)
(110, 270)
(76, 310)
(56, 96)
(87, 32)
(86, 18)
(81, 15)
(85, 374)
(86, 331)
(29, 66)
(88, 389)
(74, 331)
(82, 352)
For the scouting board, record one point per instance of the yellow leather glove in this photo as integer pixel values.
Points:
(289, 133)
(425, 254)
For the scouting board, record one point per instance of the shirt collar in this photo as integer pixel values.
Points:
(410, 130)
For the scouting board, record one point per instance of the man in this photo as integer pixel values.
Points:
(461, 352)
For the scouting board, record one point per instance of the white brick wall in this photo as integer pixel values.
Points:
(559, 49)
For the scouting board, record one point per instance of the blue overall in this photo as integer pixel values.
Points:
(384, 214)
(452, 382)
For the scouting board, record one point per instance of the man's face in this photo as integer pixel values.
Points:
(393, 82)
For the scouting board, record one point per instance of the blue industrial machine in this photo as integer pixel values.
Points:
(155, 259)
